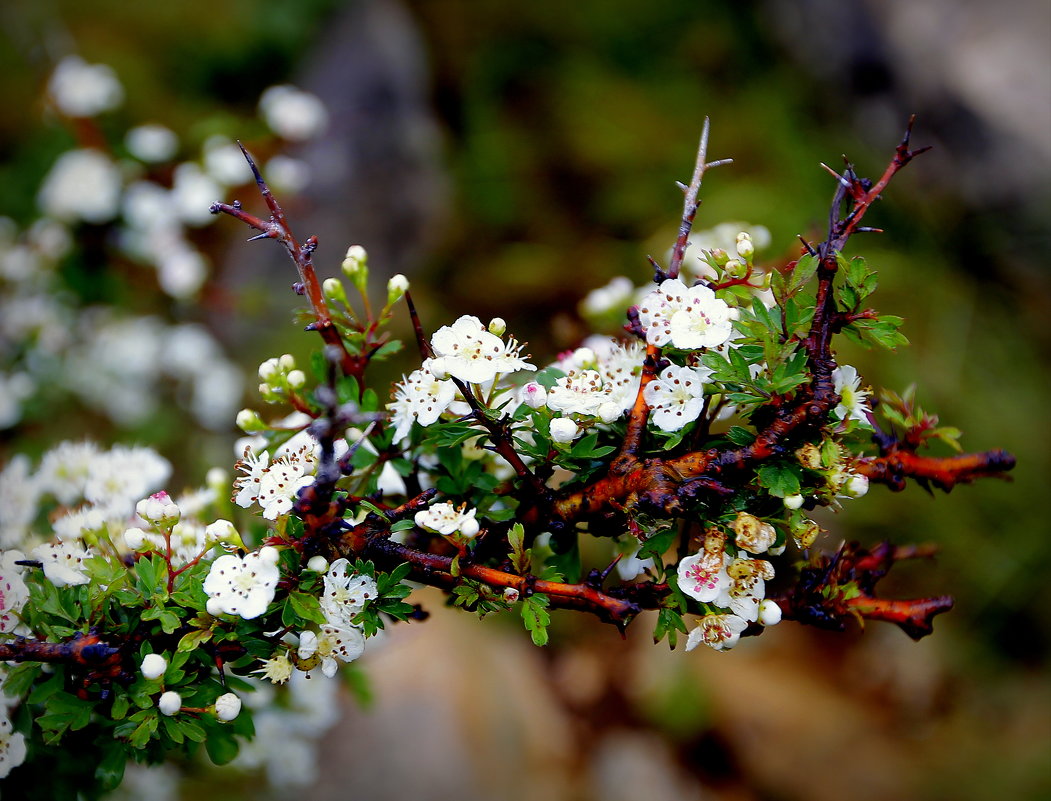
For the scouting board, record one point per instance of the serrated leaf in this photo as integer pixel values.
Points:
(804, 270)
(781, 480)
(194, 639)
(306, 607)
(536, 618)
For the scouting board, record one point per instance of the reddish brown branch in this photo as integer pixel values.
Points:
(895, 467)
(83, 650)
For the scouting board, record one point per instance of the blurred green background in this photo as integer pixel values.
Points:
(511, 157)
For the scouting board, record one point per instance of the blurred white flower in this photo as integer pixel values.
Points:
(14, 389)
(82, 185)
(193, 192)
(286, 174)
(80, 89)
(151, 143)
(292, 113)
(224, 161)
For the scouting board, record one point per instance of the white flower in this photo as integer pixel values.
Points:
(564, 430)
(687, 317)
(277, 669)
(153, 666)
(853, 401)
(13, 591)
(224, 161)
(288, 175)
(702, 575)
(193, 192)
(747, 587)
(19, 493)
(80, 89)
(676, 396)
(581, 392)
(420, 397)
(227, 706)
(445, 519)
(151, 143)
(769, 613)
(467, 351)
(169, 703)
(345, 593)
(242, 587)
(63, 563)
(82, 185)
(339, 644)
(719, 632)
(273, 486)
(614, 296)
(14, 389)
(12, 747)
(292, 113)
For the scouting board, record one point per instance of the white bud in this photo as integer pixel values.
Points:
(222, 531)
(355, 265)
(268, 554)
(134, 538)
(469, 527)
(287, 362)
(319, 564)
(563, 429)
(856, 485)
(169, 703)
(793, 501)
(769, 613)
(249, 421)
(297, 379)
(269, 369)
(397, 286)
(511, 594)
(159, 508)
(497, 326)
(745, 248)
(334, 291)
(227, 706)
(153, 666)
(534, 395)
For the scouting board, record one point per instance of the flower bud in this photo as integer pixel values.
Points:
(227, 707)
(159, 508)
(134, 538)
(534, 395)
(153, 666)
(563, 429)
(397, 286)
(805, 533)
(469, 527)
(855, 486)
(170, 703)
(334, 291)
(287, 362)
(511, 594)
(297, 379)
(355, 266)
(720, 256)
(769, 613)
(745, 248)
(810, 456)
(249, 421)
(498, 326)
(222, 531)
(269, 369)
(793, 501)
(319, 564)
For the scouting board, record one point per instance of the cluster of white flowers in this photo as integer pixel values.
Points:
(339, 639)
(676, 396)
(243, 586)
(79, 89)
(685, 317)
(734, 583)
(274, 485)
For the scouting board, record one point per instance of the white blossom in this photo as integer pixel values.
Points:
(769, 613)
(345, 593)
(63, 563)
(853, 401)
(444, 518)
(467, 351)
(747, 587)
(719, 632)
(676, 396)
(82, 185)
(687, 317)
(420, 397)
(151, 143)
(80, 89)
(702, 575)
(244, 587)
(13, 590)
(292, 113)
(563, 429)
(12, 747)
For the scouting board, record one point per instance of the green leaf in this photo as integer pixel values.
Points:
(740, 436)
(520, 557)
(194, 639)
(221, 747)
(781, 480)
(656, 545)
(536, 618)
(110, 771)
(804, 270)
(306, 607)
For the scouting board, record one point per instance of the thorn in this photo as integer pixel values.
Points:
(681, 186)
(807, 245)
(255, 170)
(257, 237)
(839, 178)
(719, 163)
(658, 272)
(868, 229)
